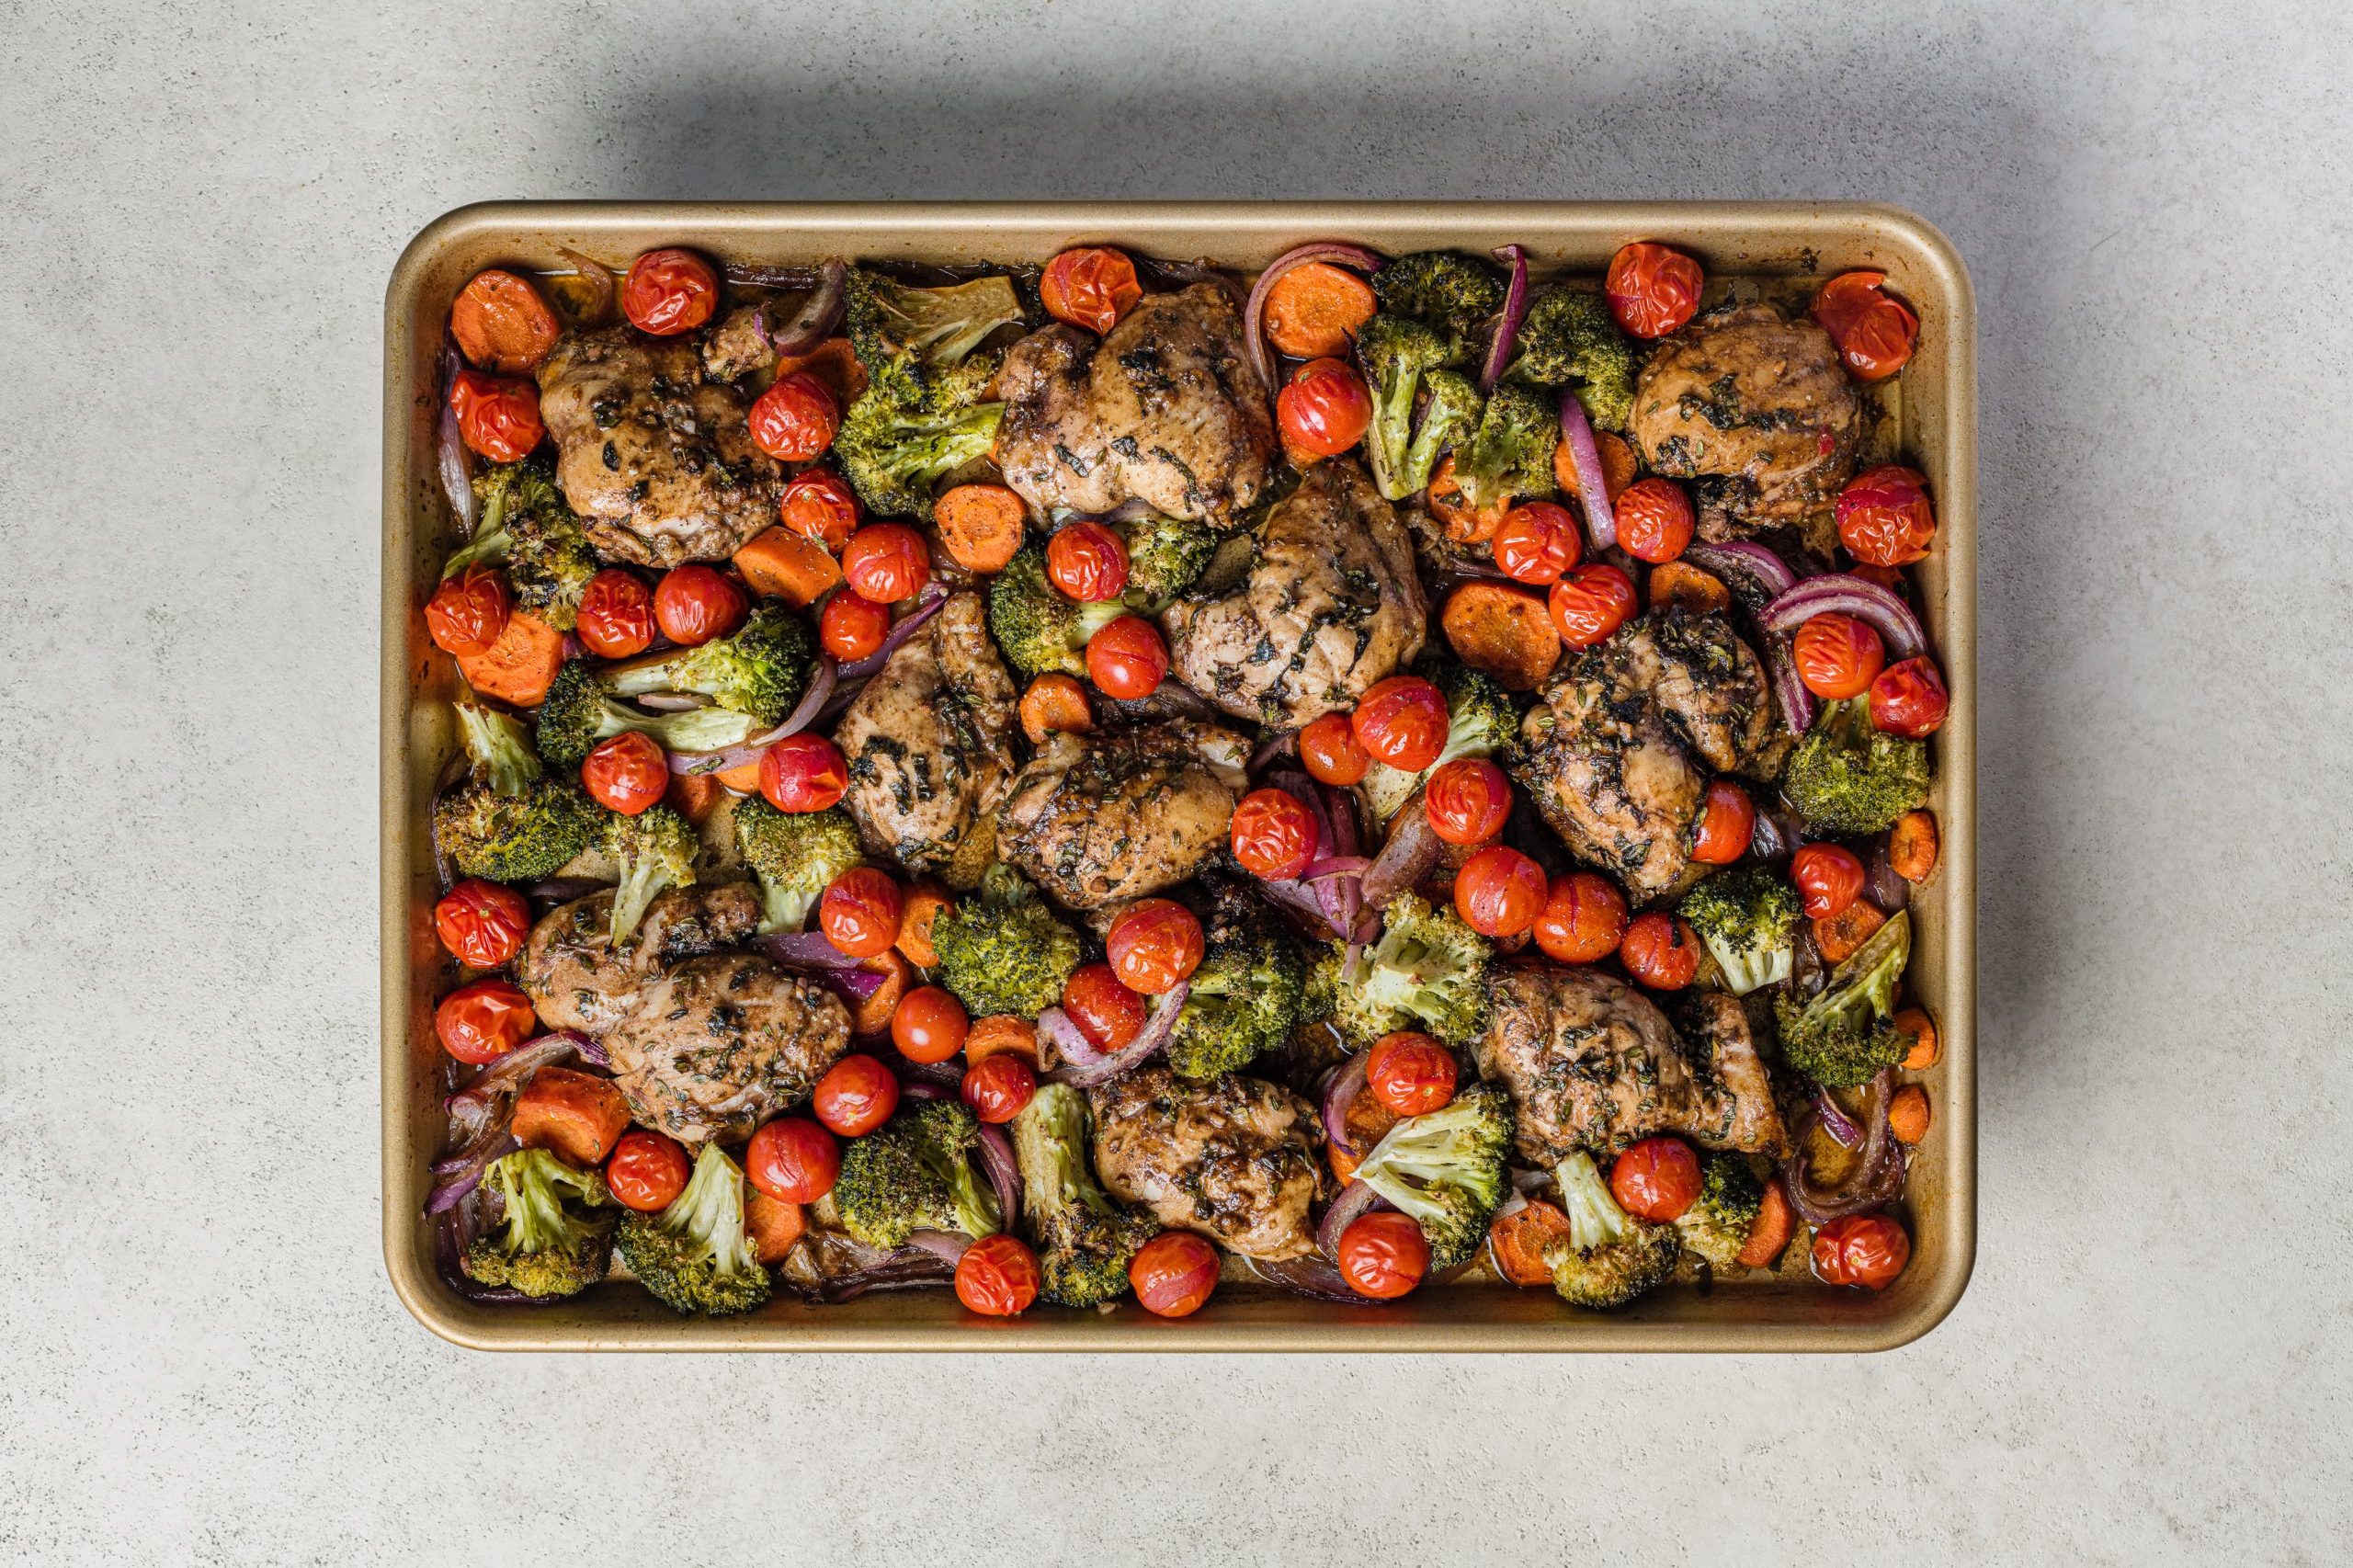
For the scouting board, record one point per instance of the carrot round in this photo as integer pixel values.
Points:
(833, 364)
(1315, 310)
(1002, 1034)
(980, 525)
(694, 795)
(502, 324)
(1917, 1027)
(1912, 846)
(1054, 702)
(1520, 1238)
(1771, 1232)
(873, 1014)
(795, 569)
(577, 1115)
(744, 777)
(1506, 631)
(771, 1224)
(1839, 935)
(1617, 465)
(521, 665)
(1679, 583)
(1907, 1114)
(924, 903)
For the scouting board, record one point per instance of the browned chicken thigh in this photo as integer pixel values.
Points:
(577, 980)
(717, 1045)
(1098, 819)
(1232, 1159)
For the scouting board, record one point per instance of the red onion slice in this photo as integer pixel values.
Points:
(1508, 328)
(1004, 1173)
(1355, 1199)
(1769, 574)
(462, 1172)
(1273, 749)
(668, 702)
(1849, 595)
(598, 280)
(1334, 866)
(1311, 1276)
(1876, 1177)
(1593, 484)
(805, 950)
(1347, 1082)
(1834, 1121)
(1411, 854)
(925, 608)
(1059, 1029)
(855, 987)
(1253, 309)
(1882, 885)
(483, 1100)
(1794, 701)
(1159, 1024)
(949, 1247)
(451, 456)
(818, 316)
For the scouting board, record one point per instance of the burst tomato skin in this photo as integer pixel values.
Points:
(819, 505)
(1323, 410)
(669, 291)
(852, 627)
(1652, 289)
(795, 420)
(1468, 800)
(1837, 656)
(1875, 333)
(1410, 1073)
(1384, 1255)
(1828, 878)
(1128, 659)
(1087, 561)
(1154, 945)
(1499, 891)
(929, 1025)
(1107, 1013)
(1727, 822)
(616, 617)
(1864, 1250)
(468, 613)
(483, 1020)
(861, 912)
(1330, 751)
(1885, 517)
(998, 1276)
(1537, 542)
(1174, 1273)
(793, 1160)
(1655, 520)
(1091, 287)
(626, 773)
(1591, 603)
(1401, 722)
(694, 604)
(482, 922)
(997, 1087)
(1657, 1179)
(804, 773)
(1273, 834)
(857, 1094)
(1660, 952)
(646, 1170)
(1583, 919)
(1909, 699)
(886, 562)
(498, 416)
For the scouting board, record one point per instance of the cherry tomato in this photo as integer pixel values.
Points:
(795, 420)
(626, 773)
(1088, 562)
(804, 773)
(616, 617)
(467, 614)
(1331, 752)
(1837, 656)
(1154, 945)
(497, 417)
(1107, 1013)
(669, 291)
(793, 1160)
(1409, 1073)
(1660, 952)
(997, 1087)
(1537, 542)
(1591, 603)
(851, 626)
(647, 1170)
(1401, 722)
(1384, 1255)
(1092, 286)
(1875, 333)
(859, 914)
(1127, 659)
(1868, 1250)
(929, 1025)
(857, 1094)
(1653, 520)
(502, 324)
(1273, 834)
(1323, 410)
(482, 1021)
(1652, 289)
(693, 604)
(819, 505)
(886, 562)
(1884, 516)
(1583, 919)
(998, 1276)
(1468, 800)
(1499, 891)
(482, 923)
(1657, 1179)
(1828, 878)
(1909, 699)
(1174, 1273)
(1727, 822)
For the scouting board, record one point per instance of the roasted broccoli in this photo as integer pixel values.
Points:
(1446, 1170)
(914, 1173)
(795, 855)
(1244, 998)
(1748, 917)
(1428, 967)
(694, 1256)
(1479, 722)
(1609, 1256)
(555, 1243)
(1406, 367)
(526, 526)
(1166, 556)
(1002, 950)
(1510, 454)
(1847, 776)
(508, 822)
(1717, 1226)
(577, 712)
(1570, 339)
(896, 454)
(1041, 629)
(1085, 1238)
(1844, 1036)
(914, 342)
(1443, 287)
(653, 851)
(760, 669)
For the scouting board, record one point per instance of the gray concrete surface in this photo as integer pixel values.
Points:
(200, 1360)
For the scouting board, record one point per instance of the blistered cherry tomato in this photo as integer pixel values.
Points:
(804, 773)
(1884, 516)
(1499, 891)
(1828, 878)
(793, 1160)
(1660, 952)
(1583, 919)
(886, 562)
(626, 773)
(1868, 1250)
(1273, 834)
(1330, 751)
(1909, 699)
(694, 603)
(1087, 561)
(616, 617)
(1174, 1273)
(482, 1021)
(482, 923)
(669, 291)
(1127, 659)
(467, 614)
(1875, 333)
(1154, 945)
(1468, 800)
(998, 1276)
(1655, 520)
(1537, 542)
(1401, 722)
(851, 628)
(930, 1024)
(1652, 289)
(497, 417)
(1837, 656)
(857, 1094)
(502, 324)
(997, 1087)
(1107, 1013)
(819, 505)
(1409, 1073)
(1091, 287)
(860, 911)
(1657, 1179)
(647, 1170)
(1727, 822)
(1591, 603)
(1384, 1255)
(795, 420)
(1323, 410)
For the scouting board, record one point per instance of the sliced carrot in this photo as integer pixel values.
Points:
(782, 563)
(1912, 846)
(1839, 935)
(1519, 1240)
(925, 903)
(981, 525)
(1674, 583)
(502, 324)
(695, 796)
(1617, 465)
(1505, 630)
(1915, 1027)
(1054, 702)
(1464, 523)
(1002, 1034)
(1907, 1114)
(577, 1115)
(771, 1224)
(1367, 1122)
(1771, 1232)
(744, 777)
(832, 362)
(873, 1014)
(1316, 310)
(519, 667)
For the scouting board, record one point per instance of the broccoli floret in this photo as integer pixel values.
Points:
(1847, 776)
(1844, 1036)
(509, 822)
(761, 669)
(1511, 453)
(577, 712)
(795, 855)
(1717, 1226)
(694, 1256)
(1748, 917)
(1446, 1170)
(526, 526)
(1246, 996)
(1428, 967)
(1570, 339)
(895, 453)
(1085, 1239)
(1479, 722)
(1166, 556)
(914, 1173)
(1041, 629)
(656, 851)
(1608, 1257)
(1406, 366)
(912, 341)
(554, 1244)
(1443, 287)
(1002, 950)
